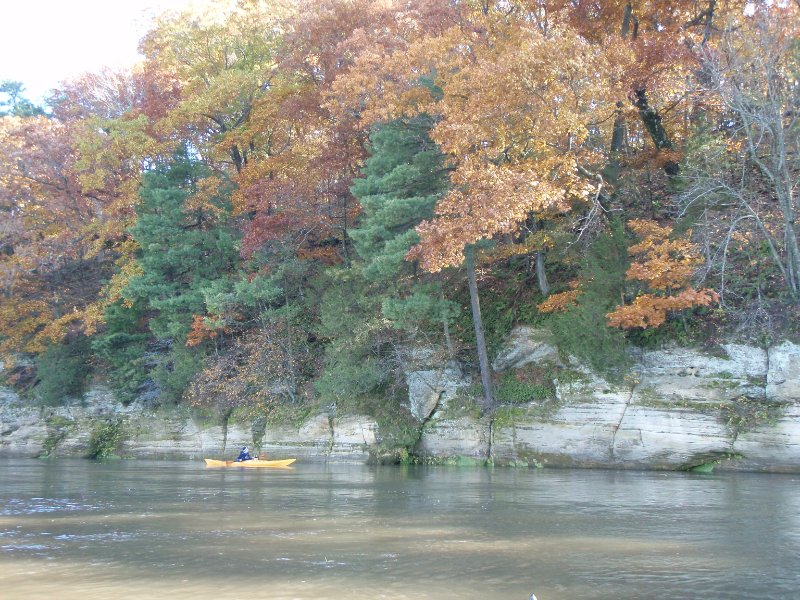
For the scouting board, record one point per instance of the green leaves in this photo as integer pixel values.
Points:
(186, 255)
(15, 104)
(183, 251)
(401, 183)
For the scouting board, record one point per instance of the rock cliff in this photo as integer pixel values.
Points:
(678, 408)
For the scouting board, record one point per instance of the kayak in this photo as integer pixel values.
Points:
(210, 462)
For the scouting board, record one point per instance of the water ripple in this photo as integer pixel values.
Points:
(32, 506)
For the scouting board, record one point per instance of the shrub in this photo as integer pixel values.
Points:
(106, 439)
(583, 330)
(175, 371)
(61, 371)
(529, 384)
(57, 430)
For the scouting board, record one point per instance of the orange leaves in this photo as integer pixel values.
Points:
(49, 232)
(559, 302)
(514, 106)
(258, 369)
(665, 264)
(651, 311)
(205, 328)
(326, 255)
(537, 241)
(491, 200)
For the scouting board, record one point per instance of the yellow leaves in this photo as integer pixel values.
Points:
(127, 269)
(206, 198)
(20, 321)
(93, 316)
(651, 311)
(560, 302)
(55, 330)
(219, 60)
(665, 264)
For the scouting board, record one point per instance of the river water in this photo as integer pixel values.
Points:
(76, 529)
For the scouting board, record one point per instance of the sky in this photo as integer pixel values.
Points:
(43, 42)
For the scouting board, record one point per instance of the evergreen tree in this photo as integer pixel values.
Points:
(62, 371)
(402, 180)
(15, 104)
(583, 329)
(123, 347)
(363, 309)
(355, 334)
(185, 250)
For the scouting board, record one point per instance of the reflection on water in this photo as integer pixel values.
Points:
(76, 529)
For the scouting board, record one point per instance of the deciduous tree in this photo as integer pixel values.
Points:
(665, 264)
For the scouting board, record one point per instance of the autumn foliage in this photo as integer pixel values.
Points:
(551, 122)
(664, 264)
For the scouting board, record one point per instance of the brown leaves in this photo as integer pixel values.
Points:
(559, 302)
(665, 264)
(651, 311)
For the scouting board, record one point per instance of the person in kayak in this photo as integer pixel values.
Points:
(244, 455)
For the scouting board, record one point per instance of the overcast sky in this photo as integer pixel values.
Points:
(43, 42)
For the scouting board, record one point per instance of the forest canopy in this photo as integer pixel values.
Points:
(283, 197)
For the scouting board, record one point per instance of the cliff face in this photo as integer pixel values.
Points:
(676, 409)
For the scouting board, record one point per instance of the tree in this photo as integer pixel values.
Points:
(580, 322)
(512, 115)
(751, 169)
(402, 180)
(665, 264)
(311, 141)
(365, 309)
(122, 344)
(185, 247)
(219, 61)
(51, 266)
(15, 104)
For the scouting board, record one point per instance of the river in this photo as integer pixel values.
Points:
(76, 529)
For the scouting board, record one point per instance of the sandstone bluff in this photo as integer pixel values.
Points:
(735, 409)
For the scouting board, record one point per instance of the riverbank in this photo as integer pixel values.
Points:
(677, 409)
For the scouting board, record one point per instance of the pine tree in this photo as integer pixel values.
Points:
(581, 329)
(185, 249)
(402, 180)
(365, 307)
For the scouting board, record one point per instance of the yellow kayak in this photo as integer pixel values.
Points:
(210, 462)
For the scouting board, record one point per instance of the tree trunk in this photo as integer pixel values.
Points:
(618, 133)
(790, 242)
(483, 357)
(627, 18)
(652, 121)
(541, 274)
(237, 158)
(448, 340)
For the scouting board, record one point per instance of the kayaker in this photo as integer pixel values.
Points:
(244, 455)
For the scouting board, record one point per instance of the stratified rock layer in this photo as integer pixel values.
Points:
(676, 409)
